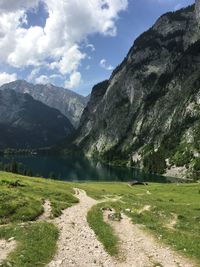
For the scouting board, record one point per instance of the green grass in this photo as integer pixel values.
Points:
(165, 201)
(104, 232)
(21, 200)
(36, 243)
(24, 201)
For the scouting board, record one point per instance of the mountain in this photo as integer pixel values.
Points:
(148, 113)
(28, 123)
(67, 102)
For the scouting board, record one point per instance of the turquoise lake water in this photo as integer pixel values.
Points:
(75, 168)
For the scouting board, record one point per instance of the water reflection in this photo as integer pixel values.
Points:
(80, 169)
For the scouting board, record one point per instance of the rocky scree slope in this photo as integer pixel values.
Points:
(28, 123)
(148, 113)
(67, 102)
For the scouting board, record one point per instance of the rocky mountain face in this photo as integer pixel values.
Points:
(148, 113)
(28, 123)
(67, 102)
(197, 10)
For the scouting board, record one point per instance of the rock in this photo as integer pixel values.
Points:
(151, 100)
(133, 183)
(128, 210)
(115, 216)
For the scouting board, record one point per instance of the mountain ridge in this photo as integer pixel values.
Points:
(28, 123)
(66, 101)
(152, 100)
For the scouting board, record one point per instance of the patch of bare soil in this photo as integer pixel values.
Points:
(172, 223)
(47, 211)
(6, 247)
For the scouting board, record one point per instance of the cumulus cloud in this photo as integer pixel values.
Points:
(33, 74)
(57, 45)
(105, 65)
(74, 81)
(13, 5)
(70, 61)
(42, 79)
(6, 77)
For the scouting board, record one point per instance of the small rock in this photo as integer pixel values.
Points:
(128, 210)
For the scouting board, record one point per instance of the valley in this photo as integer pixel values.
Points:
(99, 165)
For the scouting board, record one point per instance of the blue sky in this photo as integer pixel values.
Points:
(88, 52)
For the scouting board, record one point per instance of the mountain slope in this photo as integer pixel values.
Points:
(149, 115)
(67, 102)
(28, 123)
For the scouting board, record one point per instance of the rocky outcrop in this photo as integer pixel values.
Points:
(151, 107)
(67, 102)
(28, 123)
(88, 117)
(197, 10)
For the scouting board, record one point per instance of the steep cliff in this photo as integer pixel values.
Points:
(149, 112)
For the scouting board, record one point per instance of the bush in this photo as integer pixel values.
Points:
(154, 162)
(182, 158)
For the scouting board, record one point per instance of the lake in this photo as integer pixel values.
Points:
(76, 168)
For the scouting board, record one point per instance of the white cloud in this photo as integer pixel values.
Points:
(6, 77)
(105, 65)
(43, 79)
(33, 74)
(57, 45)
(70, 61)
(91, 46)
(13, 5)
(74, 81)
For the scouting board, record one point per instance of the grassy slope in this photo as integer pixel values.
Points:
(23, 203)
(165, 201)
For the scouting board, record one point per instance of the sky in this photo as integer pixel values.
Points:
(72, 43)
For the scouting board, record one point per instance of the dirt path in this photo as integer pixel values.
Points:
(6, 248)
(79, 247)
(47, 211)
(140, 249)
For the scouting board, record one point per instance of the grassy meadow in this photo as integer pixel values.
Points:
(21, 200)
(173, 214)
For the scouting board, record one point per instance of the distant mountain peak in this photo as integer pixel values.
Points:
(66, 101)
(28, 123)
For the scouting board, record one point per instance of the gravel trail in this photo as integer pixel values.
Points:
(79, 247)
